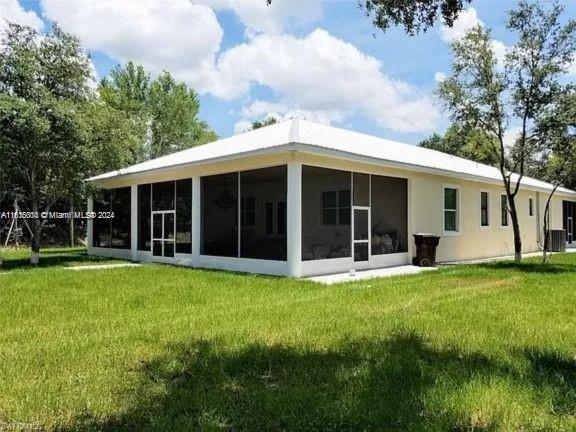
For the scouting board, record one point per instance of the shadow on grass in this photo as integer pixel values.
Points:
(531, 267)
(50, 258)
(359, 386)
(558, 374)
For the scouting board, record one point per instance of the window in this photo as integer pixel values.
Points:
(184, 216)
(530, 207)
(336, 207)
(389, 214)
(326, 225)
(144, 217)
(484, 209)
(504, 210)
(451, 210)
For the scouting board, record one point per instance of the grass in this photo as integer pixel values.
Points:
(470, 348)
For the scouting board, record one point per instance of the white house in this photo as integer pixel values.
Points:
(299, 198)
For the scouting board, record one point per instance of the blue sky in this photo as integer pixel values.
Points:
(320, 60)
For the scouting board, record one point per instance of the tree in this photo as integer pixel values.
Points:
(469, 144)
(414, 15)
(163, 112)
(480, 94)
(43, 81)
(268, 121)
(556, 130)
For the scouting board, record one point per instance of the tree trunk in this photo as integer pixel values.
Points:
(71, 219)
(36, 231)
(516, 230)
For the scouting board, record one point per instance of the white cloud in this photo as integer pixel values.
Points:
(10, 10)
(318, 76)
(500, 51)
(439, 77)
(284, 110)
(510, 137)
(160, 34)
(242, 126)
(467, 20)
(259, 17)
(572, 68)
(322, 77)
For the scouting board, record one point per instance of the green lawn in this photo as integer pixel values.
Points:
(165, 348)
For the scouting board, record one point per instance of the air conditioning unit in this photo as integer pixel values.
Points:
(558, 240)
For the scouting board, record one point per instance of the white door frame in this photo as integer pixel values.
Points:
(162, 239)
(361, 264)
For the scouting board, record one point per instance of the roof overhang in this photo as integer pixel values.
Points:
(295, 147)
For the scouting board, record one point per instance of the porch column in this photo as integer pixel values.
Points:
(294, 225)
(90, 225)
(196, 220)
(134, 222)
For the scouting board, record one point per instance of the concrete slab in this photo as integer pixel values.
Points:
(369, 274)
(102, 266)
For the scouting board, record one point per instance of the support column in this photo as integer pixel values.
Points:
(294, 225)
(134, 222)
(196, 220)
(90, 225)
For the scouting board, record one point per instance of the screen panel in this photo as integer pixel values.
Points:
(263, 208)
(389, 215)
(326, 213)
(219, 225)
(184, 216)
(144, 216)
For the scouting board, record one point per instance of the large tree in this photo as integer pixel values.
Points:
(44, 79)
(466, 143)
(483, 94)
(163, 111)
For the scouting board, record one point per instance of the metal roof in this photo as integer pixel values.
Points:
(309, 137)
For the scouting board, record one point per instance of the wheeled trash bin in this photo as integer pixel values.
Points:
(426, 245)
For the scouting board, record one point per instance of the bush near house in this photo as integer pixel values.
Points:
(156, 347)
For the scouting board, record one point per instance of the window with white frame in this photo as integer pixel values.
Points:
(484, 209)
(451, 208)
(531, 207)
(503, 210)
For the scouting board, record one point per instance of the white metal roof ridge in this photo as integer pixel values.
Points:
(308, 136)
(294, 134)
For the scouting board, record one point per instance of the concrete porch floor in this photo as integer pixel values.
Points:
(369, 274)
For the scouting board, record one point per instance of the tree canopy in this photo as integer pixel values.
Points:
(414, 15)
(468, 143)
(44, 79)
(164, 112)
